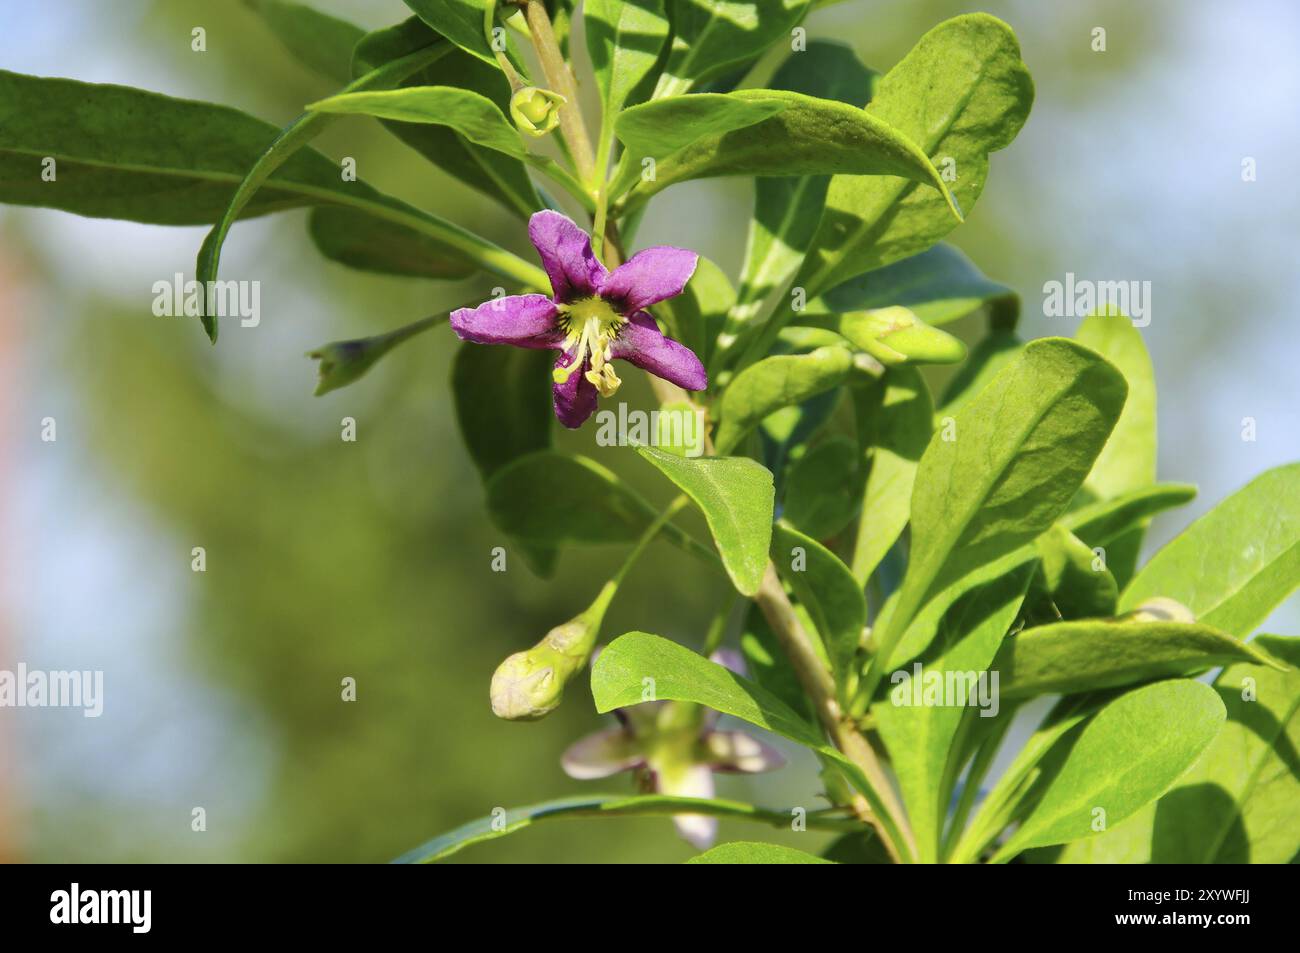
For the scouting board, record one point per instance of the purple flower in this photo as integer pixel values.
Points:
(593, 316)
(674, 749)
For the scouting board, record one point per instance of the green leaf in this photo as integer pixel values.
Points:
(1238, 803)
(894, 417)
(1125, 756)
(827, 590)
(1099, 523)
(1096, 524)
(359, 240)
(961, 93)
(764, 132)
(498, 176)
(1128, 461)
(940, 285)
(679, 674)
(501, 403)
(768, 665)
(1070, 657)
(618, 680)
(473, 116)
(776, 382)
(460, 21)
(1237, 562)
(736, 496)
(713, 37)
(787, 209)
(546, 498)
(623, 40)
(1073, 577)
(321, 42)
(599, 805)
(920, 738)
(753, 852)
(820, 498)
(891, 335)
(1020, 450)
(987, 359)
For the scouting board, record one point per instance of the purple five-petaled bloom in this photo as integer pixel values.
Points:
(593, 316)
(675, 749)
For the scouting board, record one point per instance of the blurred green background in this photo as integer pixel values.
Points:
(371, 560)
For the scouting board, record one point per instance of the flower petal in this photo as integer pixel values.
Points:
(650, 275)
(566, 255)
(739, 752)
(700, 830)
(521, 320)
(600, 755)
(640, 342)
(575, 399)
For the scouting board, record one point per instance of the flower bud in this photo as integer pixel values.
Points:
(1160, 609)
(530, 685)
(897, 336)
(536, 111)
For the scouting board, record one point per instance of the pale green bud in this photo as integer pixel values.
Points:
(530, 684)
(536, 111)
(1160, 609)
(897, 336)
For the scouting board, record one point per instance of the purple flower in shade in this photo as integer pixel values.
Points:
(593, 316)
(674, 749)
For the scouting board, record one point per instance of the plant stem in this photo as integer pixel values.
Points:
(560, 79)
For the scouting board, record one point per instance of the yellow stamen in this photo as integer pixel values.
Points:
(591, 326)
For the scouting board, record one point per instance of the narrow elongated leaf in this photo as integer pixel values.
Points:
(678, 674)
(501, 404)
(894, 416)
(754, 852)
(827, 590)
(500, 177)
(776, 382)
(1128, 461)
(320, 41)
(736, 496)
(598, 805)
(919, 737)
(820, 498)
(939, 285)
(1021, 449)
(986, 360)
(787, 209)
(768, 665)
(619, 679)
(1222, 568)
(1073, 578)
(461, 21)
(359, 240)
(1071, 657)
(961, 93)
(1097, 524)
(800, 135)
(473, 116)
(624, 38)
(1238, 803)
(1127, 755)
(549, 498)
(713, 37)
